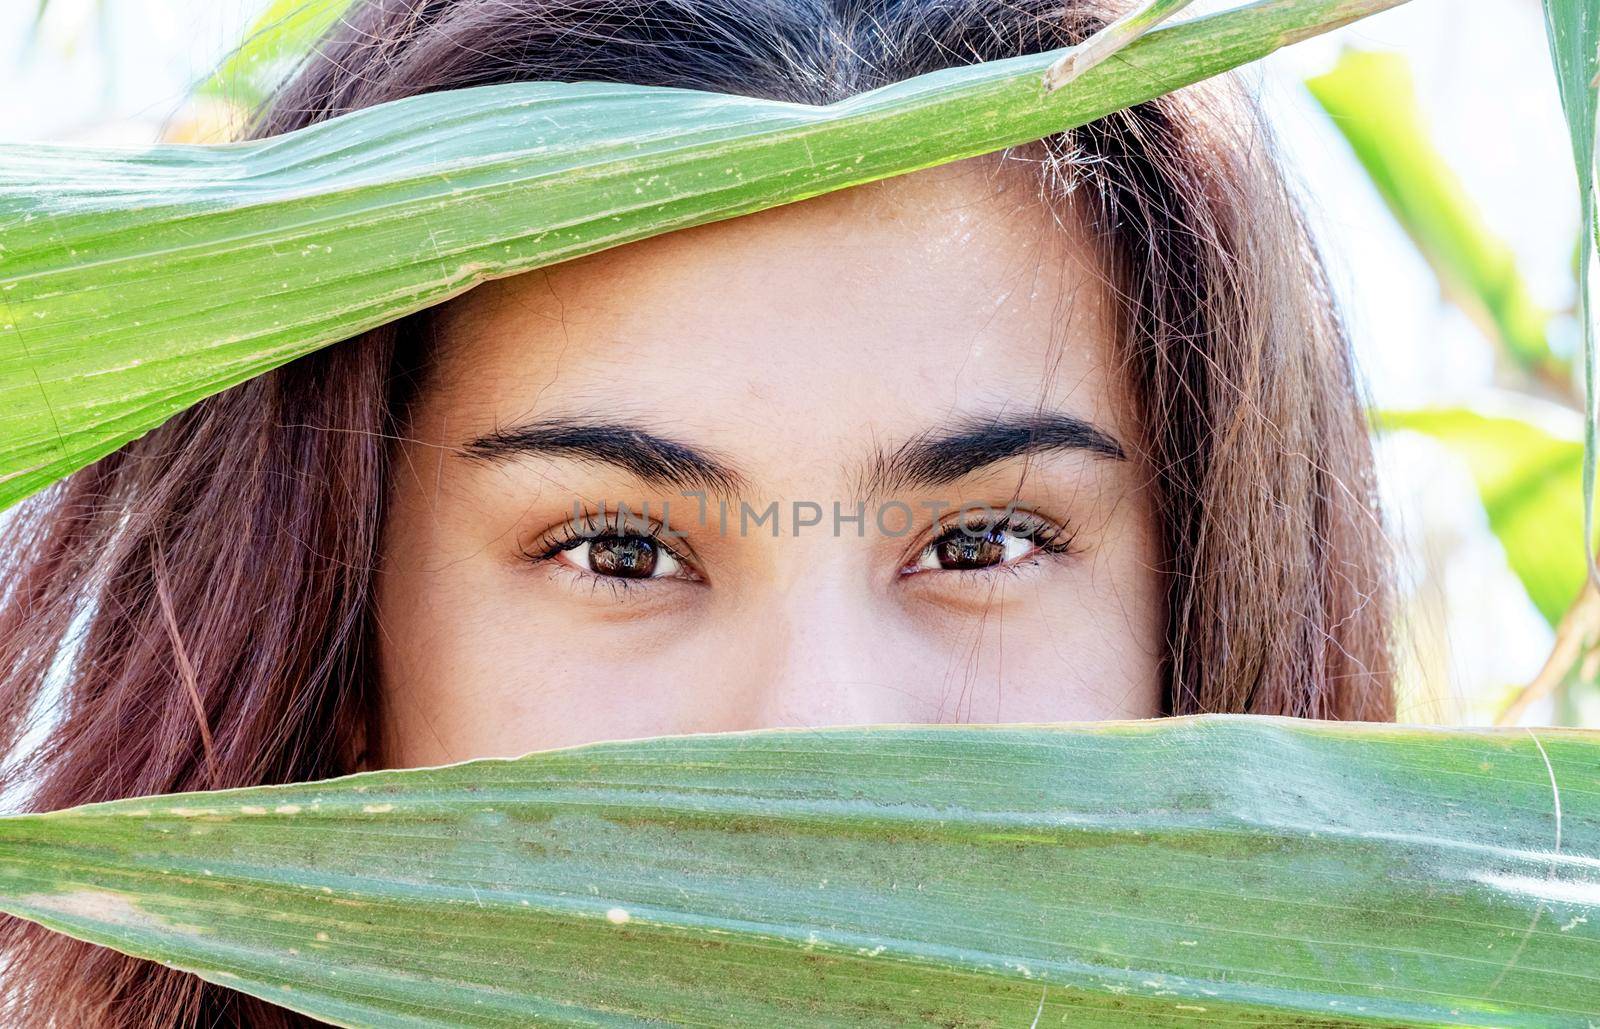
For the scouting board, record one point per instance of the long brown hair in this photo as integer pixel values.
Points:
(193, 611)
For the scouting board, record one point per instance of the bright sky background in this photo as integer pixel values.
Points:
(1485, 83)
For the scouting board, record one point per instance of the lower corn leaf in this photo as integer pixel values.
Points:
(1232, 869)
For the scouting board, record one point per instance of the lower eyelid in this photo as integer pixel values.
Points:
(968, 585)
(586, 585)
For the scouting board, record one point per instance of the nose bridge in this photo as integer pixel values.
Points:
(829, 660)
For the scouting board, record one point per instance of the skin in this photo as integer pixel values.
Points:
(802, 349)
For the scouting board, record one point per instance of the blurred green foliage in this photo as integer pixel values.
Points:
(275, 42)
(1531, 482)
(1536, 487)
(1372, 100)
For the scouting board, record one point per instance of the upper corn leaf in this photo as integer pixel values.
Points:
(135, 283)
(1111, 40)
(1223, 869)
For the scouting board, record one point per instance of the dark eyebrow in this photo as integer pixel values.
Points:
(653, 459)
(941, 456)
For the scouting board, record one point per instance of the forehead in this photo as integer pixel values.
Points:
(872, 311)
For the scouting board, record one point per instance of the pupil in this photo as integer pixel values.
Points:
(625, 557)
(966, 551)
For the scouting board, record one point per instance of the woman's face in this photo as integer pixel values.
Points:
(865, 458)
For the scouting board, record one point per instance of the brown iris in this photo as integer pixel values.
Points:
(970, 550)
(624, 557)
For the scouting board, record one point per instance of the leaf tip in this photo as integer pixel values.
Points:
(1062, 72)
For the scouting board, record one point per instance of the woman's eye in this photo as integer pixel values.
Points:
(963, 551)
(978, 547)
(622, 557)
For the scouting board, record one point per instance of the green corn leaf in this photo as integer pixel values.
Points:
(1216, 870)
(1370, 97)
(135, 283)
(1574, 30)
(1530, 480)
(1109, 41)
(283, 34)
